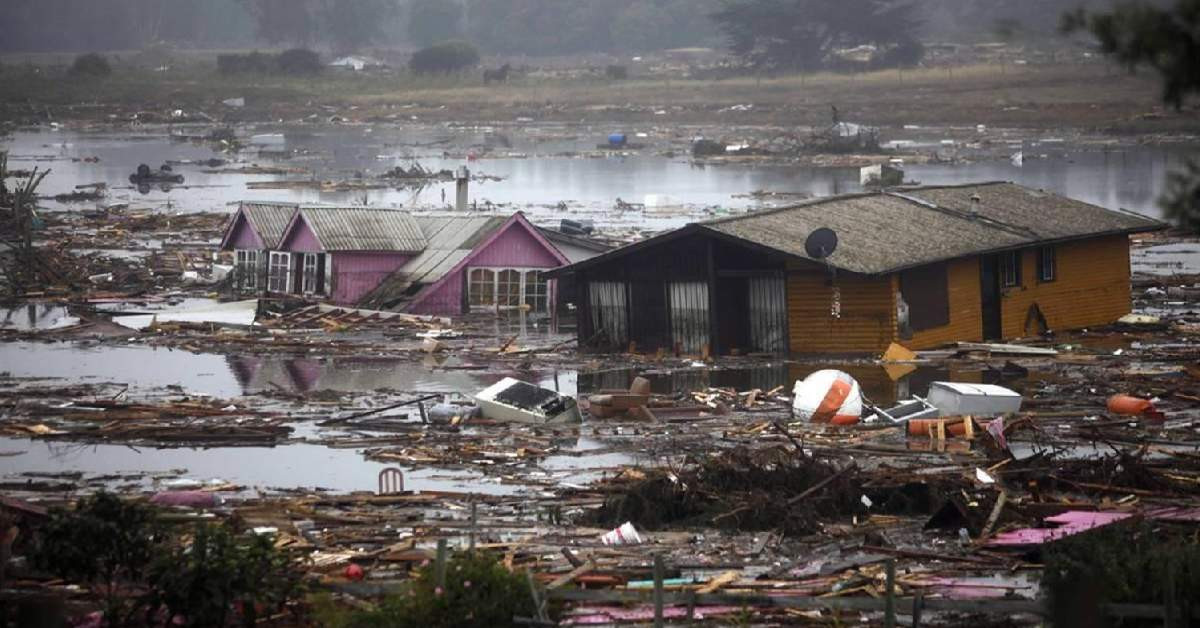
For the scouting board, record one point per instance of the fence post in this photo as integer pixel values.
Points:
(658, 591)
(439, 568)
(889, 608)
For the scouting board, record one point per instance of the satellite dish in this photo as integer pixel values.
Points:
(821, 243)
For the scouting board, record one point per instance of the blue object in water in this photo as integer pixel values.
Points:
(616, 139)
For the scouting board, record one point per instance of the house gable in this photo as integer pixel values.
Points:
(516, 244)
(241, 234)
(299, 237)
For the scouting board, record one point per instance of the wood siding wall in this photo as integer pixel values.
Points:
(868, 312)
(1092, 287)
(966, 315)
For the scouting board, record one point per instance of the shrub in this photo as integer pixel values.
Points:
(299, 62)
(451, 56)
(253, 63)
(91, 64)
(220, 572)
(1124, 563)
(479, 592)
(616, 72)
(105, 541)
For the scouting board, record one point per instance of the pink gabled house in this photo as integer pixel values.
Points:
(475, 263)
(253, 231)
(389, 259)
(342, 252)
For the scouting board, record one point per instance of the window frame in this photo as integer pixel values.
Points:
(308, 273)
(1009, 266)
(1047, 259)
(507, 288)
(274, 278)
(247, 268)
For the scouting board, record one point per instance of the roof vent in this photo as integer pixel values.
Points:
(975, 200)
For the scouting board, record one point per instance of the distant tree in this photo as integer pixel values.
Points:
(801, 34)
(433, 21)
(1137, 34)
(91, 64)
(450, 56)
(299, 62)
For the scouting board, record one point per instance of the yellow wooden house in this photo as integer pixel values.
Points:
(922, 266)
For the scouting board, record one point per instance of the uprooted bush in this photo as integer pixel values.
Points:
(1133, 562)
(144, 573)
(91, 64)
(478, 591)
(741, 488)
(443, 58)
(218, 574)
(106, 542)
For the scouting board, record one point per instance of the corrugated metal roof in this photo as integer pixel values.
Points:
(365, 229)
(450, 239)
(269, 220)
(880, 233)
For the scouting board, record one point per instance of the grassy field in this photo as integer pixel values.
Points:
(1090, 96)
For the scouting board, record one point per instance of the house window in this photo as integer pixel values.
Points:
(1047, 264)
(926, 292)
(507, 288)
(310, 273)
(1010, 269)
(247, 269)
(482, 288)
(537, 291)
(279, 274)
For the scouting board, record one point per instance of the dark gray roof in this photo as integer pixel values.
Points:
(270, 220)
(365, 229)
(885, 232)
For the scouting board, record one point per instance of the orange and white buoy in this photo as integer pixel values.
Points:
(828, 396)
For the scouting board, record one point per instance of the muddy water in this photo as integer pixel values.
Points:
(537, 175)
(149, 369)
(288, 466)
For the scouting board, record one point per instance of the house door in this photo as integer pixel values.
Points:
(989, 287)
(733, 315)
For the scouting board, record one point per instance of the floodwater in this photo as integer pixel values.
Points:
(541, 167)
(286, 466)
(150, 369)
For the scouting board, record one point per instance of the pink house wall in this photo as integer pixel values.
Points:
(301, 239)
(515, 247)
(356, 273)
(244, 236)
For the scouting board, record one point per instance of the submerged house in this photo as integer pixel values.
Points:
(919, 266)
(390, 259)
(475, 263)
(253, 231)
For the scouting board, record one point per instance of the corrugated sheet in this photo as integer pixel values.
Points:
(365, 229)
(449, 240)
(269, 220)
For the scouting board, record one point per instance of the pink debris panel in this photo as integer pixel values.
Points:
(1076, 521)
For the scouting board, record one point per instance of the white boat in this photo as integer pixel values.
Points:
(520, 402)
